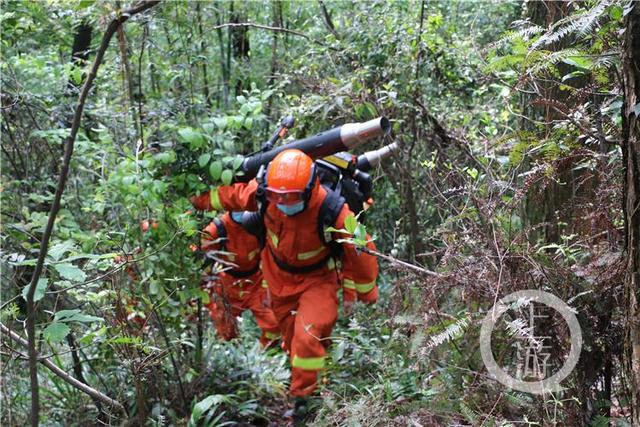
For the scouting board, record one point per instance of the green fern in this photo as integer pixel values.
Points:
(450, 332)
(542, 61)
(580, 23)
(469, 414)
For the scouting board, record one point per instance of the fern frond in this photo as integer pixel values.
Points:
(450, 332)
(469, 414)
(519, 400)
(579, 23)
(541, 61)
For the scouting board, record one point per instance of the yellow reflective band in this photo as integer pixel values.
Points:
(231, 257)
(363, 288)
(341, 163)
(274, 238)
(349, 284)
(215, 200)
(264, 284)
(303, 256)
(308, 363)
(331, 264)
(253, 254)
(271, 335)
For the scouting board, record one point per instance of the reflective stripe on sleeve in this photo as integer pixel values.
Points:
(264, 284)
(349, 284)
(362, 288)
(308, 363)
(215, 200)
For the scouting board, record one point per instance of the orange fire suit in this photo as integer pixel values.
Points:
(240, 288)
(305, 302)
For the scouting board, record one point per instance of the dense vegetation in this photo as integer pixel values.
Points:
(518, 169)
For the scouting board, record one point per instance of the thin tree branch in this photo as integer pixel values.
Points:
(55, 206)
(95, 394)
(412, 267)
(270, 28)
(327, 19)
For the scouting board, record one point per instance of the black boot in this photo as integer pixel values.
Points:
(300, 412)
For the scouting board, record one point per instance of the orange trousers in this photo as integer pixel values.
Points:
(306, 320)
(224, 307)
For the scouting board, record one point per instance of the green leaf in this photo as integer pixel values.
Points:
(616, 13)
(227, 176)
(76, 75)
(237, 162)
(350, 223)
(215, 169)
(70, 272)
(220, 122)
(84, 4)
(204, 159)
(56, 251)
(228, 145)
(205, 405)
(56, 332)
(191, 136)
(579, 62)
(360, 233)
(41, 287)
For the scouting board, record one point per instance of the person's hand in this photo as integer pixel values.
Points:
(202, 202)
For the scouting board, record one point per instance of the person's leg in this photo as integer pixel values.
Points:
(316, 314)
(223, 317)
(282, 309)
(265, 318)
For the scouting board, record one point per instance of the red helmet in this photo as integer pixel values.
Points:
(290, 177)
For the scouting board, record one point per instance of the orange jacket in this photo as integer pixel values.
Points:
(295, 240)
(243, 251)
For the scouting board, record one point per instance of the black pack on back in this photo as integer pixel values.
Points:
(328, 213)
(222, 239)
(222, 233)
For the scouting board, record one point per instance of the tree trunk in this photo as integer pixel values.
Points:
(224, 71)
(240, 44)
(631, 203)
(79, 53)
(203, 52)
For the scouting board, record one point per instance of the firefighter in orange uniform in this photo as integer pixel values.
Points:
(240, 287)
(298, 261)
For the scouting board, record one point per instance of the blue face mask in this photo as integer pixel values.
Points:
(290, 210)
(237, 216)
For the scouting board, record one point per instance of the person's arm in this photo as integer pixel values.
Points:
(209, 237)
(360, 269)
(235, 197)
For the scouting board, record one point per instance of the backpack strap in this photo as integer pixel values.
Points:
(222, 239)
(328, 214)
(222, 233)
(253, 223)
